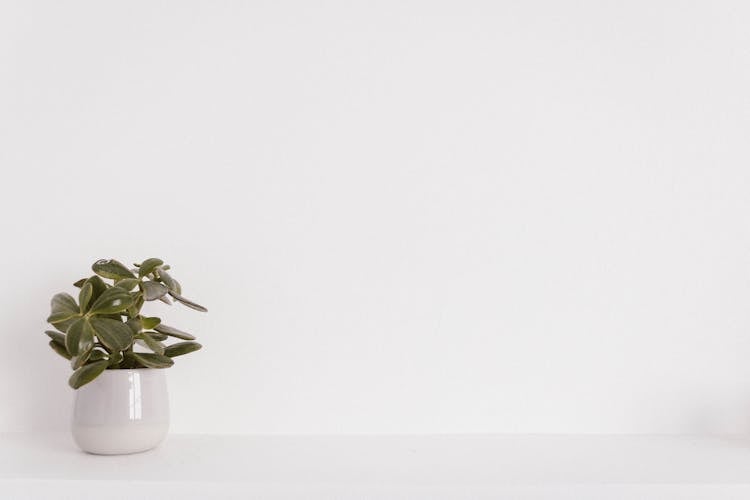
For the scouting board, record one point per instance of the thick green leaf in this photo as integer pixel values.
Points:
(127, 283)
(79, 283)
(113, 300)
(161, 337)
(62, 302)
(114, 334)
(188, 303)
(56, 337)
(65, 324)
(148, 266)
(80, 337)
(59, 349)
(168, 280)
(87, 290)
(111, 269)
(181, 348)
(60, 317)
(152, 343)
(87, 373)
(135, 325)
(115, 358)
(97, 355)
(78, 361)
(63, 307)
(151, 360)
(117, 316)
(150, 323)
(174, 332)
(153, 290)
(137, 305)
(99, 286)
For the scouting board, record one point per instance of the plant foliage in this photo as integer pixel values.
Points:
(101, 329)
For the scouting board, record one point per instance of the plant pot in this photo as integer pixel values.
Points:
(121, 412)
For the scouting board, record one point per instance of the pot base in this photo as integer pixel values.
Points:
(119, 440)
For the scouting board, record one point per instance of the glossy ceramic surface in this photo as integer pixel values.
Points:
(122, 411)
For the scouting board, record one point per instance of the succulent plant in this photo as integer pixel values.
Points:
(100, 330)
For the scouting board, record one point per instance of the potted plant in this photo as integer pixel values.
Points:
(117, 354)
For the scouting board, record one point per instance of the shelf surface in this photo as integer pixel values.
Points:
(372, 466)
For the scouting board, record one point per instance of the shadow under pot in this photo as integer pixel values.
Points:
(122, 412)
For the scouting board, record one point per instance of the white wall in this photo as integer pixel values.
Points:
(403, 216)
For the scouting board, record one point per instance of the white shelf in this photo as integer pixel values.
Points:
(377, 467)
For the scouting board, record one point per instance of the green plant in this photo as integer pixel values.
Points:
(100, 330)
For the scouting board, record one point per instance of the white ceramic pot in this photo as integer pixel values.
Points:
(122, 411)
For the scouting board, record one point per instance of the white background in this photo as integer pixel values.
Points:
(403, 216)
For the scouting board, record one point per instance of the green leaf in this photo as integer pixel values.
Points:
(59, 317)
(135, 325)
(87, 373)
(56, 337)
(127, 283)
(151, 360)
(79, 283)
(59, 349)
(168, 280)
(80, 337)
(135, 309)
(117, 316)
(148, 266)
(150, 323)
(115, 358)
(63, 307)
(153, 290)
(65, 324)
(161, 337)
(111, 269)
(78, 361)
(181, 348)
(114, 334)
(99, 286)
(152, 343)
(97, 355)
(188, 303)
(174, 332)
(112, 300)
(62, 302)
(87, 290)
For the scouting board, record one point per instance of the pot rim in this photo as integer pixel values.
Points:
(115, 370)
